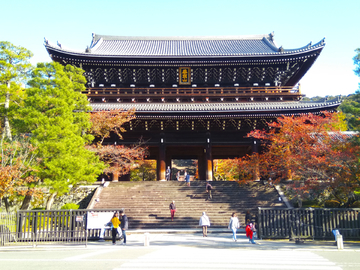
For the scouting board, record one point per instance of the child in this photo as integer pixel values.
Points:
(249, 231)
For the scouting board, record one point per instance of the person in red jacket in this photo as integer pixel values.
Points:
(249, 231)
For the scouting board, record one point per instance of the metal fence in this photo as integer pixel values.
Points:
(50, 226)
(44, 238)
(314, 223)
(7, 222)
(70, 226)
(40, 222)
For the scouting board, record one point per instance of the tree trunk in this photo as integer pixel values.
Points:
(6, 202)
(7, 130)
(26, 202)
(50, 201)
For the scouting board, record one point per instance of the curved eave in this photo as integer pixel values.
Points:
(56, 52)
(215, 110)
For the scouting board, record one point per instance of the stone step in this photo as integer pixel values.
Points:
(147, 203)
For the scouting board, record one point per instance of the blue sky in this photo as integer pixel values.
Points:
(295, 24)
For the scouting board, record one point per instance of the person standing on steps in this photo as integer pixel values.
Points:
(124, 225)
(172, 208)
(248, 216)
(168, 173)
(204, 222)
(208, 189)
(187, 178)
(115, 225)
(234, 224)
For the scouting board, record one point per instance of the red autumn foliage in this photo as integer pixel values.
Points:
(119, 158)
(16, 167)
(309, 148)
(106, 122)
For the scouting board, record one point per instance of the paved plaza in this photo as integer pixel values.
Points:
(184, 251)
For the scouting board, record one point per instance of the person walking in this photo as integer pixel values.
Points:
(187, 178)
(208, 189)
(248, 216)
(115, 225)
(168, 173)
(124, 225)
(178, 175)
(172, 208)
(249, 229)
(234, 224)
(204, 222)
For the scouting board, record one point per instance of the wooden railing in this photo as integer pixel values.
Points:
(192, 91)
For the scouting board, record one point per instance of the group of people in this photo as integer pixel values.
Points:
(234, 223)
(186, 176)
(120, 224)
(250, 227)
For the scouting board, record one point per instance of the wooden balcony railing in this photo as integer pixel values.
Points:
(193, 91)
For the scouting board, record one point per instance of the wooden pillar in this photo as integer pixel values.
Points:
(202, 164)
(209, 161)
(115, 177)
(161, 162)
(255, 149)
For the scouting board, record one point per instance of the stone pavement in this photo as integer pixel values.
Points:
(185, 250)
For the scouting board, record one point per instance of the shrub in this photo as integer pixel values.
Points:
(356, 204)
(68, 206)
(310, 203)
(332, 204)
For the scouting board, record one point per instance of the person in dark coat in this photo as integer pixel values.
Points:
(124, 225)
(168, 173)
(208, 189)
(187, 178)
(172, 208)
(248, 216)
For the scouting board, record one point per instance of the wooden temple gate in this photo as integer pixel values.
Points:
(194, 97)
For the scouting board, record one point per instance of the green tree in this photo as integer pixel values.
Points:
(357, 62)
(351, 105)
(56, 115)
(14, 69)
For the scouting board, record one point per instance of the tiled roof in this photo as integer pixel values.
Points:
(190, 108)
(178, 47)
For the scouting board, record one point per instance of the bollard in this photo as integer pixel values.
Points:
(146, 239)
(339, 241)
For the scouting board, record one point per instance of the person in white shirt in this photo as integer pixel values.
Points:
(234, 224)
(204, 222)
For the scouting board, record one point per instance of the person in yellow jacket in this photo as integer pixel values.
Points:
(115, 225)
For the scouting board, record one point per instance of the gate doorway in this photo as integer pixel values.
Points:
(178, 167)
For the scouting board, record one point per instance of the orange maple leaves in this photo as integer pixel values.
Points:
(310, 148)
(119, 158)
(17, 160)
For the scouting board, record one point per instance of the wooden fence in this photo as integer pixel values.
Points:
(314, 223)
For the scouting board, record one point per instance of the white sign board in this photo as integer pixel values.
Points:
(97, 220)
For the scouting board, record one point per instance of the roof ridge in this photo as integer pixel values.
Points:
(96, 37)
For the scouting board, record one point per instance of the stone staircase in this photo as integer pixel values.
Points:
(147, 203)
